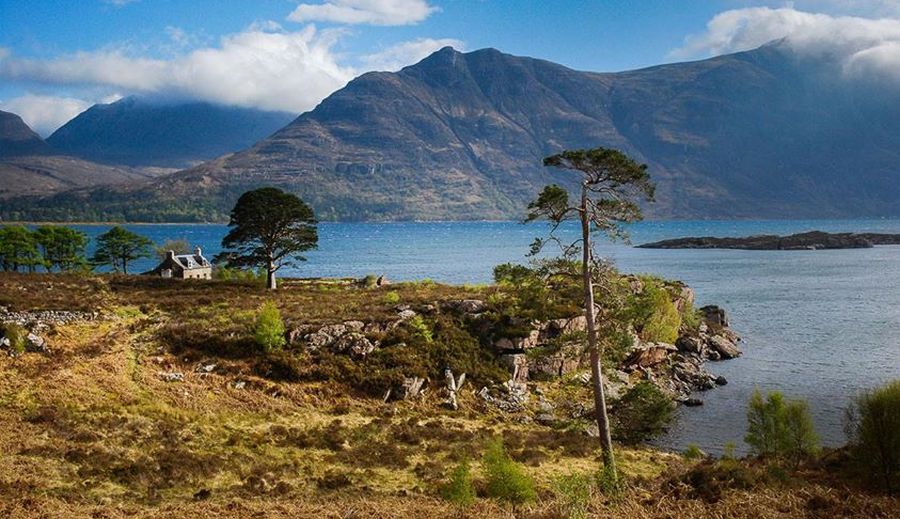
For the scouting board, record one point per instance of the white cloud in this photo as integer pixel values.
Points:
(290, 71)
(400, 55)
(863, 46)
(44, 114)
(372, 12)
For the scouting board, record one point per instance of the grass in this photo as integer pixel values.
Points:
(93, 424)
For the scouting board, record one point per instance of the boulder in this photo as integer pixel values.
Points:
(465, 306)
(406, 314)
(650, 355)
(36, 343)
(556, 364)
(724, 347)
(354, 326)
(690, 344)
(714, 316)
(355, 344)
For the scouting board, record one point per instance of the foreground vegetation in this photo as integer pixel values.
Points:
(97, 427)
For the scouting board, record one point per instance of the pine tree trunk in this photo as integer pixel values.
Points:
(271, 284)
(609, 461)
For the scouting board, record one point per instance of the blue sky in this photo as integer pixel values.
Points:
(57, 57)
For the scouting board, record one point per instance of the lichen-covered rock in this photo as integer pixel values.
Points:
(353, 343)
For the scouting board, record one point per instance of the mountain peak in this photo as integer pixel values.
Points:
(17, 138)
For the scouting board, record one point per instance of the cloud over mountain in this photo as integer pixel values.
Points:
(44, 113)
(286, 71)
(867, 47)
(398, 56)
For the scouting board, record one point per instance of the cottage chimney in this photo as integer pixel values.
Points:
(198, 252)
(170, 255)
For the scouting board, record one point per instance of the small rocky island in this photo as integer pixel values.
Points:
(813, 240)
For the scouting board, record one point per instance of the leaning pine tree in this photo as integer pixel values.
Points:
(611, 185)
(269, 229)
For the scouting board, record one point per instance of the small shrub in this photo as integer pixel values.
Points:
(16, 335)
(729, 451)
(708, 480)
(642, 413)
(459, 489)
(779, 427)
(418, 325)
(370, 281)
(506, 480)
(573, 493)
(765, 423)
(874, 431)
(800, 439)
(392, 297)
(693, 452)
(269, 330)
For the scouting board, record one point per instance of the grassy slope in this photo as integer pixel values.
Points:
(91, 429)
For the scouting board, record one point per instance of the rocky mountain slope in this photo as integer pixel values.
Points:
(140, 132)
(767, 133)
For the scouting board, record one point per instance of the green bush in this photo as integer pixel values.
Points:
(269, 330)
(17, 336)
(573, 495)
(392, 297)
(459, 489)
(418, 325)
(642, 413)
(874, 431)
(693, 452)
(654, 314)
(779, 427)
(506, 480)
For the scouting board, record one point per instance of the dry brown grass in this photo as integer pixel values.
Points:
(92, 431)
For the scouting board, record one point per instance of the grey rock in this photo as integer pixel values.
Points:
(171, 376)
(723, 346)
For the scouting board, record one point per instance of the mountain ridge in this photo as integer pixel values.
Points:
(767, 133)
(139, 132)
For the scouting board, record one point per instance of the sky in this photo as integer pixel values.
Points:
(59, 57)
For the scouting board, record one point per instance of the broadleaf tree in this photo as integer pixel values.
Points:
(269, 229)
(611, 185)
(118, 247)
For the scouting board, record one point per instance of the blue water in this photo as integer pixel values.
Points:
(819, 325)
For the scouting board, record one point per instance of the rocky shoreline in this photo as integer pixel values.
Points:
(550, 350)
(813, 240)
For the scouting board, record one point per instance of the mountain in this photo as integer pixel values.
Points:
(30, 167)
(142, 132)
(768, 133)
(17, 138)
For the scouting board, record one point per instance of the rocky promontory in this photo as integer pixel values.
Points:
(813, 240)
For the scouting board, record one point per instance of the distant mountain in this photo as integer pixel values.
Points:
(30, 167)
(17, 138)
(141, 132)
(761, 134)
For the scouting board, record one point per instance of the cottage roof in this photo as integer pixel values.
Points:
(191, 261)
